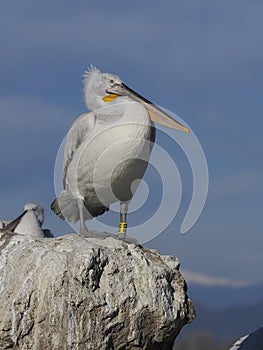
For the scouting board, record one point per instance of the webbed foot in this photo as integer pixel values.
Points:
(128, 239)
(94, 234)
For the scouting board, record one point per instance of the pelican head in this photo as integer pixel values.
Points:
(96, 85)
(37, 210)
(102, 88)
(33, 213)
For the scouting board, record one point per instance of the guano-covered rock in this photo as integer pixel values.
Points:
(77, 293)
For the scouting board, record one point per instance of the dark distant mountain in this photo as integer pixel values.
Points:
(232, 322)
(219, 297)
(226, 312)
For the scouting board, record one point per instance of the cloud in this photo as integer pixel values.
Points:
(205, 280)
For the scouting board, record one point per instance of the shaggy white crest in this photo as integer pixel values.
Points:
(38, 210)
(91, 70)
(90, 77)
(95, 85)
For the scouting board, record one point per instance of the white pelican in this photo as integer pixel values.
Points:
(252, 341)
(29, 222)
(107, 149)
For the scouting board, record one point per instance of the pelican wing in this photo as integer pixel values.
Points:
(75, 137)
(12, 225)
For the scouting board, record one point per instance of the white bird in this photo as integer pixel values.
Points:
(107, 149)
(29, 222)
(253, 341)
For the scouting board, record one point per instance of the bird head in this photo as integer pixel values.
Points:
(37, 210)
(96, 85)
(102, 88)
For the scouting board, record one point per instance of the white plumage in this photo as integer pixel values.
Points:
(107, 149)
(29, 222)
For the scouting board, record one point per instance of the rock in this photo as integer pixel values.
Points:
(77, 293)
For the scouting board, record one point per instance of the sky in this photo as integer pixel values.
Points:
(201, 60)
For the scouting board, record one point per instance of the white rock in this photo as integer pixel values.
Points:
(73, 293)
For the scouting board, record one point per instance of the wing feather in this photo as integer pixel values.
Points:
(12, 225)
(79, 131)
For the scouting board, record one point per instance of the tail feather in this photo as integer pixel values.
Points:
(56, 209)
(66, 207)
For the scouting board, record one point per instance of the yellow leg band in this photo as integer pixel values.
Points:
(122, 227)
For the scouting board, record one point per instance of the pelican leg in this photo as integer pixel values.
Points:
(123, 224)
(83, 228)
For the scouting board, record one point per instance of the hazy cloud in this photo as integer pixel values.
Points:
(205, 280)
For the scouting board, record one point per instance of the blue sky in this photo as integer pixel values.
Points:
(202, 60)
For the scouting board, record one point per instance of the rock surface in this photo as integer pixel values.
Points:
(77, 293)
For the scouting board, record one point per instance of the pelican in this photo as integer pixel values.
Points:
(106, 150)
(29, 222)
(252, 341)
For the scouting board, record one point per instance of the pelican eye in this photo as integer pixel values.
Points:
(112, 82)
